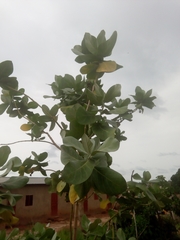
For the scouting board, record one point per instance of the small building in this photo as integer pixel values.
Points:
(37, 204)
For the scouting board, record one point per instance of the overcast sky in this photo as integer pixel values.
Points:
(38, 37)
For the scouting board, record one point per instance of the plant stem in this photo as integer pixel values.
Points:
(135, 223)
(71, 220)
(110, 218)
(53, 142)
(75, 220)
(24, 141)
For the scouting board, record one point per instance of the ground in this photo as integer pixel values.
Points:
(58, 223)
(63, 222)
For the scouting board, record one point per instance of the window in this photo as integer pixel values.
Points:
(96, 197)
(29, 200)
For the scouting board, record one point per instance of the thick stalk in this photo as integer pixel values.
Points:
(76, 205)
(135, 223)
(71, 220)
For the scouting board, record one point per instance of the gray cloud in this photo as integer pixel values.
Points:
(168, 154)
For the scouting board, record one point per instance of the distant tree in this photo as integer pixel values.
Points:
(175, 182)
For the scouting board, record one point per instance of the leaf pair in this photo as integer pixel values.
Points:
(6, 82)
(143, 99)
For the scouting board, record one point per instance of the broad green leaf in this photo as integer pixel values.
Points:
(98, 229)
(96, 143)
(3, 234)
(13, 233)
(119, 111)
(73, 142)
(9, 83)
(93, 98)
(16, 161)
(148, 102)
(15, 182)
(70, 111)
(54, 110)
(42, 119)
(35, 155)
(87, 144)
(103, 131)
(139, 92)
(46, 110)
(26, 127)
(12, 198)
(52, 126)
(5, 207)
(146, 176)
(107, 66)
(7, 167)
(4, 154)
(73, 196)
(148, 193)
(143, 98)
(101, 38)
(69, 154)
(3, 107)
(97, 96)
(76, 130)
(77, 50)
(91, 43)
(6, 97)
(124, 102)
(87, 58)
(83, 188)
(109, 145)
(105, 48)
(32, 105)
(108, 181)
(85, 222)
(120, 234)
(42, 156)
(6, 68)
(85, 117)
(101, 159)
(13, 164)
(77, 172)
(37, 131)
(64, 82)
(114, 91)
(136, 176)
(93, 227)
(148, 93)
(60, 186)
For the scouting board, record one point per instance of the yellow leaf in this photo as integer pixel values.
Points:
(14, 220)
(8, 218)
(88, 68)
(73, 196)
(60, 186)
(107, 66)
(25, 127)
(104, 203)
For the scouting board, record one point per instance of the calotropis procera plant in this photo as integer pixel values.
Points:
(92, 129)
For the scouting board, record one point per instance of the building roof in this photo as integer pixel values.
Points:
(36, 180)
(32, 180)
